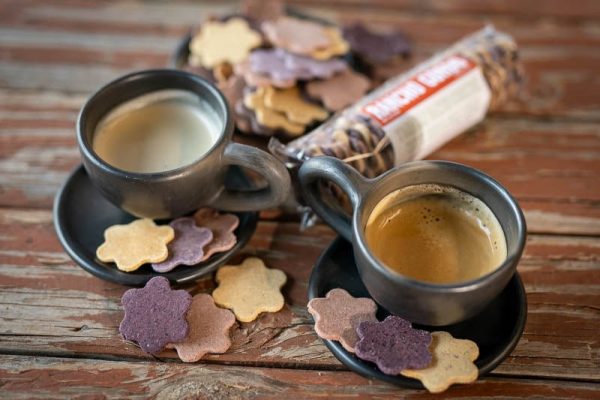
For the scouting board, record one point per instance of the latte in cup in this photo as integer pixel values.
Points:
(156, 132)
(436, 234)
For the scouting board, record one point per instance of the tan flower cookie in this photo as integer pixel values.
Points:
(339, 91)
(290, 102)
(452, 363)
(338, 314)
(249, 289)
(337, 47)
(269, 117)
(132, 245)
(219, 42)
(209, 330)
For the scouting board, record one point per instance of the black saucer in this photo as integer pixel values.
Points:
(496, 330)
(81, 214)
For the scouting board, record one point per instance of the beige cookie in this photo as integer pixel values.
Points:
(260, 80)
(132, 245)
(297, 35)
(249, 289)
(338, 46)
(452, 363)
(290, 102)
(267, 116)
(208, 330)
(219, 42)
(339, 91)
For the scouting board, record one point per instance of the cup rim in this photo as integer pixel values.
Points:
(89, 153)
(462, 286)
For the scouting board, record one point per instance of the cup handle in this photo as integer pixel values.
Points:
(273, 170)
(340, 173)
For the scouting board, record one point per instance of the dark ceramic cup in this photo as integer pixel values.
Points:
(420, 302)
(176, 192)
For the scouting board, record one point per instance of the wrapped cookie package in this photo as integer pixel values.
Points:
(415, 113)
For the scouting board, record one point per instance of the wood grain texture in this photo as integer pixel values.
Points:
(28, 378)
(52, 307)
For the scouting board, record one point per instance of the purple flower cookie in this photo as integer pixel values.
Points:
(393, 344)
(187, 247)
(155, 315)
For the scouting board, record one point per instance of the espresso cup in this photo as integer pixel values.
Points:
(175, 192)
(418, 301)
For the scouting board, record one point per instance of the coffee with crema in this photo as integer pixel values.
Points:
(157, 132)
(435, 234)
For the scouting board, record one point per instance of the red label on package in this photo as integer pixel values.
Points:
(395, 102)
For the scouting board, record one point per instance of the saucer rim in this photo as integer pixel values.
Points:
(110, 273)
(364, 368)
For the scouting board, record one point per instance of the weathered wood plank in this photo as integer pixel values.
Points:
(77, 47)
(57, 378)
(51, 307)
(580, 9)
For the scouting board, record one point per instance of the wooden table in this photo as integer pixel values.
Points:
(58, 324)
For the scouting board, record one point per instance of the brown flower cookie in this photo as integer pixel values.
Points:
(337, 47)
(249, 289)
(340, 91)
(297, 35)
(135, 244)
(268, 117)
(222, 227)
(209, 328)
(290, 102)
(338, 314)
(218, 42)
(452, 363)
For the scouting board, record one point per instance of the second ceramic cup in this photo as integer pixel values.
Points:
(418, 301)
(178, 191)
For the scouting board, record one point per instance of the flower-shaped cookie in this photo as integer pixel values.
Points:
(377, 48)
(296, 35)
(268, 117)
(452, 363)
(132, 245)
(393, 344)
(222, 227)
(338, 314)
(249, 289)
(219, 42)
(337, 47)
(209, 330)
(187, 247)
(339, 91)
(281, 66)
(155, 315)
(290, 102)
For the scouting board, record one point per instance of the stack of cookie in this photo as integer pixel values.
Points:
(284, 75)
(185, 241)
(437, 359)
